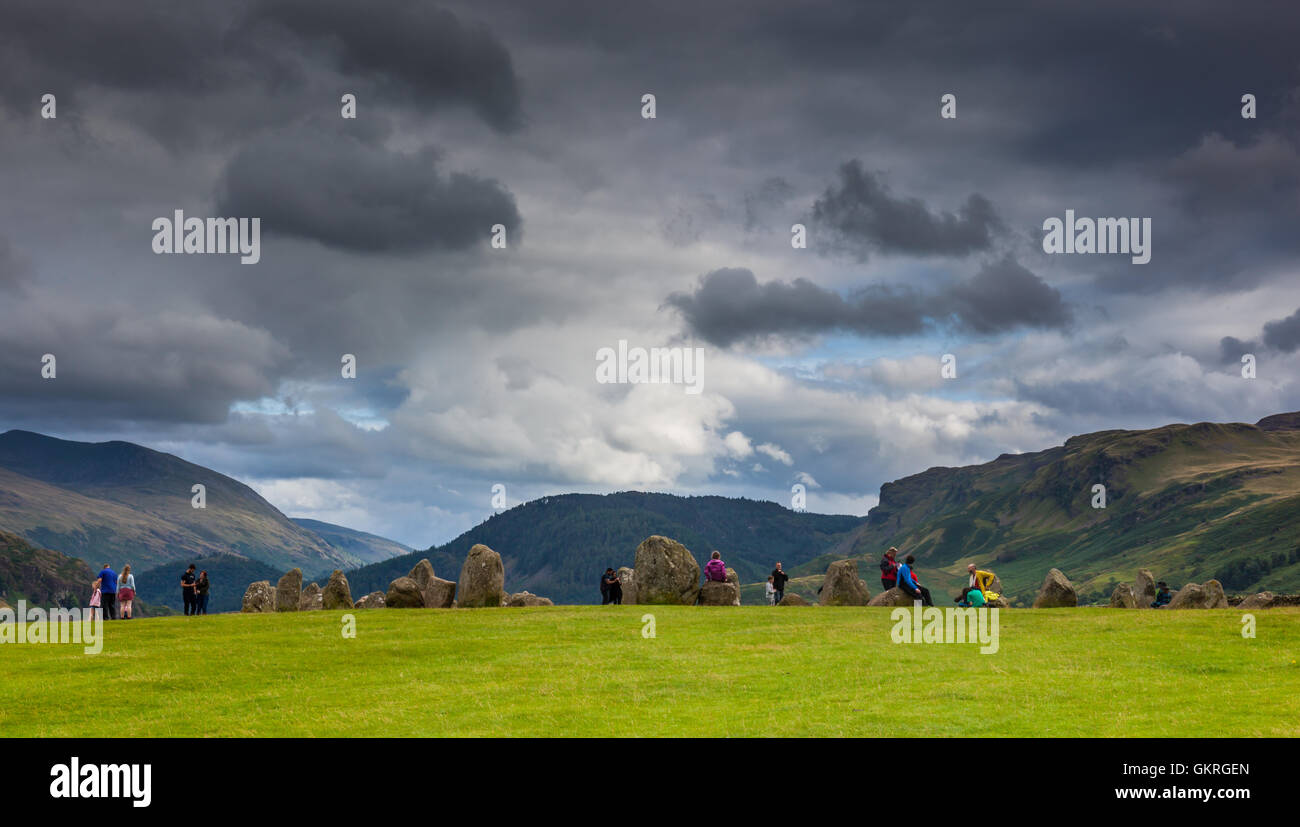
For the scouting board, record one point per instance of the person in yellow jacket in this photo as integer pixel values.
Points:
(979, 579)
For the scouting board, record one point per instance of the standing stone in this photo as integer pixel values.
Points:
(259, 597)
(374, 600)
(627, 577)
(438, 593)
(337, 594)
(525, 598)
(311, 598)
(666, 572)
(404, 593)
(889, 597)
(1122, 597)
(843, 587)
(481, 579)
(288, 592)
(1056, 592)
(726, 593)
(1194, 596)
(1144, 589)
(1262, 600)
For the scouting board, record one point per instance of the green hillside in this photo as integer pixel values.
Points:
(558, 546)
(1189, 502)
(128, 503)
(365, 547)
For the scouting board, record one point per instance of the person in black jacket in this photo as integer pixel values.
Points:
(778, 582)
(611, 588)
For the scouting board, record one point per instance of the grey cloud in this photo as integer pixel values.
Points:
(730, 305)
(1284, 334)
(861, 215)
(1231, 349)
(346, 194)
(14, 268)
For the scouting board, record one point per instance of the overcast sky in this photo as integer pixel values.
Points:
(476, 366)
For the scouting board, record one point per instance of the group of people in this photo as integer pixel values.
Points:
(893, 574)
(111, 590)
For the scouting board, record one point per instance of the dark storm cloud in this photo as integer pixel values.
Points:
(347, 194)
(409, 53)
(1231, 349)
(1283, 334)
(730, 305)
(861, 215)
(14, 268)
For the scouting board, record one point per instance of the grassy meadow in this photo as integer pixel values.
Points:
(588, 671)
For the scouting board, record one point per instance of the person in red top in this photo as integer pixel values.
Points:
(889, 569)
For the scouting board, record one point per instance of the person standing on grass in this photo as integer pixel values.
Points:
(613, 587)
(96, 598)
(769, 591)
(108, 591)
(187, 589)
(908, 583)
(889, 569)
(126, 591)
(201, 594)
(778, 581)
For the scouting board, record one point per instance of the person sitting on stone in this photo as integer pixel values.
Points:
(981, 581)
(910, 585)
(1163, 596)
(715, 569)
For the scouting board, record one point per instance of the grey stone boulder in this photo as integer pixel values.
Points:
(288, 592)
(714, 593)
(311, 598)
(404, 593)
(1144, 589)
(627, 577)
(1056, 592)
(482, 579)
(666, 572)
(438, 593)
(374, 600)
(1262, 600)
(259, 597)
(891, 597)
(337, 594)
(525, 598)
(1193, 596)
(1122, 597)
(843, 587)
(792, 599)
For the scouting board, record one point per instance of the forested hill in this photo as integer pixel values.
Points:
(558, 546)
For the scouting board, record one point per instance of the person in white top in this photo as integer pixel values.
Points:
(770, 591)
(126, 591)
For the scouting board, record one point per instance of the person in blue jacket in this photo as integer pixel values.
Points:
(908, 583)
(1163, 596)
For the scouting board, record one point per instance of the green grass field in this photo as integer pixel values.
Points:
(587, 671)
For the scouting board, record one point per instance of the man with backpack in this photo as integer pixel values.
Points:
(889, 569)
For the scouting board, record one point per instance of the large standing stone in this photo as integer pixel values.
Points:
(481, 578)
(792, 599)
(1144, 589)
(259, 597)
(525, 598)
(288, 592)
(627, 577)
(1122, 597)
(1194, 596)
(843, 587)
(404, 593)
(374, 600)
(1056, 592)
(666, 572)
(337, 594)
(311, 598)
(1262, 600)
(438, 593)
(714, 593)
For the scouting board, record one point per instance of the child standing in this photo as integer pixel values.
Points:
(770, 591)
(95, 599)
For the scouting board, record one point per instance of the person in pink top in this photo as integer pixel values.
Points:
(715, 569)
